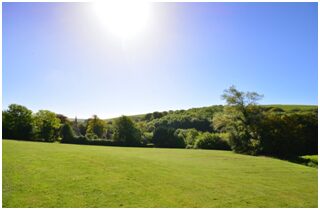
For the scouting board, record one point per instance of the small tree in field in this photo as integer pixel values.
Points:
(126, 132)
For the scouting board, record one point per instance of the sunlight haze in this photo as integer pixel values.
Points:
(110, 59)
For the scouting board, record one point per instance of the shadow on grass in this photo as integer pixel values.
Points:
(303, 161)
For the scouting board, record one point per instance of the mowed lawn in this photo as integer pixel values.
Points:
(59, 175)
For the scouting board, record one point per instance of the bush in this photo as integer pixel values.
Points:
(91, 136)
(81, 139)
(188, 135)
(211, 141)
(168, 138)
(146, 138)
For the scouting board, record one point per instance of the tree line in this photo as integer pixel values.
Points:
(241, 125)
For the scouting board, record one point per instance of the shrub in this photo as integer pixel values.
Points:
(146, 138)
(188, 135)
(81, 139)
(189, 146)
(211, 141)
(91, 136)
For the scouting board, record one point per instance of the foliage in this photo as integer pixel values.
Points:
(46, 125)
(17, 122)
(126, 132)
(289, 134)
(91, 136)
(197, 118)
(75, 127)
(311, 160)
(63, 119)
(264, 129)
(211, 141)
(308, 160)
(66, 133)
(240, 118)
(154, 115)
(96, 126)
(167, 137)
(188, 135)
(146, 138)
(82, 128)
(284, 131)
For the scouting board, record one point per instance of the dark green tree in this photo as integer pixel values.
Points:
(168, 138)
(82, 128)
(75, 127)
(126, 132)
(66, 133)
(289, 134)
(17, 123)
(63, 119)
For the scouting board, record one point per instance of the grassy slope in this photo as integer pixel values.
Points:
(292, 107)
(58, 175)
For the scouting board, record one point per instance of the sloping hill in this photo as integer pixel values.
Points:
(208, 110)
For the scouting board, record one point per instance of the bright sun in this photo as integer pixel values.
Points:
(125, 19)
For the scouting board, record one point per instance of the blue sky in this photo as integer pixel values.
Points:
(57, 56)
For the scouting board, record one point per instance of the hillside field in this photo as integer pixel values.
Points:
(60, 175)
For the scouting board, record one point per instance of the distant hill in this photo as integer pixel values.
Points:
(210, 109)
(207, 112)
(292, 107)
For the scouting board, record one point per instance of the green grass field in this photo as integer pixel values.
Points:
(59, 175)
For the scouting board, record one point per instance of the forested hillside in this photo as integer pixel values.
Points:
(241, 125)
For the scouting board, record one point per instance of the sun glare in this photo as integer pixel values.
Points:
(124, 19)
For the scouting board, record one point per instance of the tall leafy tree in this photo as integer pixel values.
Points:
(17, 122)
(241, 118)
(96, 126)
(67, 134)
(47, 125)
(75, 127)
(126, 132)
